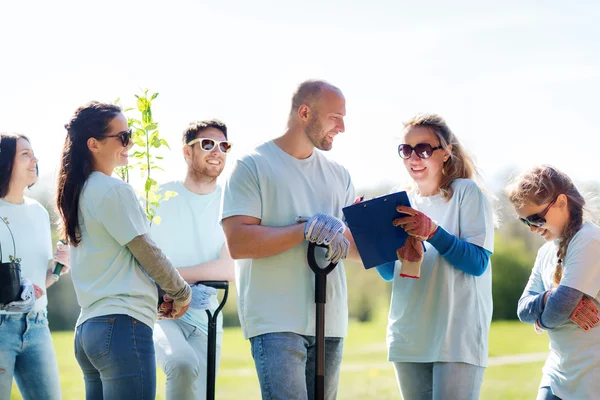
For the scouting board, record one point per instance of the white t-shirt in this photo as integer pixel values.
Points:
(190, 233)
(445, 315)
(106, 275)
(30, 226)
(572, 369)
(276, 294)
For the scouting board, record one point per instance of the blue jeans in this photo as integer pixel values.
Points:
(545, 393)
(285, 363)
(439, 380)
(27, 353)
(116, 355)
(181, 352)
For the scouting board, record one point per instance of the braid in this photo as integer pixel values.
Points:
(573, 226)
(541, 185)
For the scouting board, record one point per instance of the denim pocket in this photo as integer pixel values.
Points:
(96, 335)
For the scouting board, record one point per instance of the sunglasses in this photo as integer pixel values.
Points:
(208, 144)
(125, 137)
(422, 150)
(537, 220)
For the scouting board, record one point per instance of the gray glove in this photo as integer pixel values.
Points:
(201, 296)
(338, 248)
(27, 301)
(328, 230)
(321, 228)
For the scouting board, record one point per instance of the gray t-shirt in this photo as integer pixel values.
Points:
(445, 315)
(106, 275)
(189, 234)
(572, 369)
(276, 294)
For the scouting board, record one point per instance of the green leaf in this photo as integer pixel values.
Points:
(150, 126)
(155, 95)
(139, 140)
(164, 143)
(142, 104)
(169, 193)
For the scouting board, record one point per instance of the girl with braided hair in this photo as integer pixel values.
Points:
(563, 291)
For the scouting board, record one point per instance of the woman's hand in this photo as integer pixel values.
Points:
(416, 223)
(585, 314)
(61, 255)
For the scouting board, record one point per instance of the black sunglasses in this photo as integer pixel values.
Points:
(538, 220)
(125, 137)
(422, 150)
(208, 144)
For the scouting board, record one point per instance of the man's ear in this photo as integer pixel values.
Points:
(187, 153)
(303, 112)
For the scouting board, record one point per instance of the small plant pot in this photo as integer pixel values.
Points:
(10, 282)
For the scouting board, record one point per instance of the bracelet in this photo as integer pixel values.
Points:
(55, 277)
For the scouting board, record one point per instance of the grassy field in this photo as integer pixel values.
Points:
(365, 371)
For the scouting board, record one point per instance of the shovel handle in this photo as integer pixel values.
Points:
(312, 261)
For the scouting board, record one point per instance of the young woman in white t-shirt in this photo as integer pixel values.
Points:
(108, 233)
(441, 305)
(26, 350)
(563, 292)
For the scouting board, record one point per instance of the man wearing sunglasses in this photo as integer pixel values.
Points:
(190, 235)
(268, 189)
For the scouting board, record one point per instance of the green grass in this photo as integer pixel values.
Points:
(365, 371)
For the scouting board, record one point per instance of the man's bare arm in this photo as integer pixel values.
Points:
(246, 238)
(220, 269)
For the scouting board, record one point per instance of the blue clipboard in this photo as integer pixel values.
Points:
(371, 225)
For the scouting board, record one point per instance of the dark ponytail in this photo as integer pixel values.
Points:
(89, 121)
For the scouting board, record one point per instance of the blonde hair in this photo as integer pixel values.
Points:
(543, 184)
(459, 164)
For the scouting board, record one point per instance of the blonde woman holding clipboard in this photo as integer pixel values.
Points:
(441, 306)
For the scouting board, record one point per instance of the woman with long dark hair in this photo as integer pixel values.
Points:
(108, 233)
(26, 351)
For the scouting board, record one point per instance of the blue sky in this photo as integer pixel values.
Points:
(517, 81)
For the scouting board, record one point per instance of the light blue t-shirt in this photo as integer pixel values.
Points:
(30, 226)
(106, 276)
(445, 315)
(190, 233)
(572, 369)
(276, 294)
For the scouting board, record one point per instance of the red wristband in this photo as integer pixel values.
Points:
(433, 233)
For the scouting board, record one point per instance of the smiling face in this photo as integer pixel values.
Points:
(556, 216)
(24, 171)
(426, 172)
(108, 152)
(326, 119)
(205, 164)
